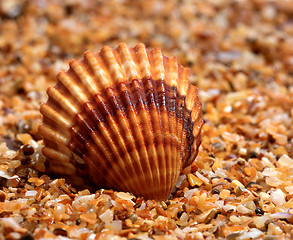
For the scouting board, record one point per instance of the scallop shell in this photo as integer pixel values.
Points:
(125, 118)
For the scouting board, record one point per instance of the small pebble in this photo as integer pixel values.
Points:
(228, 179)
(27, 236)
(215, 191)
(259, 211)
(224, 193)
(2, 196)
(194, 181)
(27, 150)
(179, 214)
(60, 232)
(253, 155)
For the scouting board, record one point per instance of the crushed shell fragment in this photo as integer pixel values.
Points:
(124, 118)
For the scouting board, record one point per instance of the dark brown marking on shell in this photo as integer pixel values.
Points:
(135, 98)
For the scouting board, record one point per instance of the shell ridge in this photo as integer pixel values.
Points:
(189, 91)
(98, 173)
(171, 89)
(179, 109)
(94, 171)
(96, 68)
(159, 73)
(180, 120)
(84, 77)
(171, 71)
(155, 122)
(62, 102)
(171, 149)
(187, 137)
(160, 93)
(190, 123)
(145, 131)
(183, 82)
(59, 158)
(127, 61)
(115, 104)
(120, 62)
(98, 153)
(142, 58)
(129, 103)
(102, 141)
(129, 107)
(51, 128)
(113, 67)
(76, 143)
(87, 135)
(157, 65)
(155, 59)
(153, 107)
(55, 116)
(198, 122)
(53, 135)
(175, 144)
(73, 88)
(81, 130)
(107, 136)
(169, 140)
(196, 144)
(183, 78)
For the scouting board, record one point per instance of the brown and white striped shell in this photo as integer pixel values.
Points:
(125, 118)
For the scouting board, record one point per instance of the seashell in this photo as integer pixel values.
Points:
(125, 118)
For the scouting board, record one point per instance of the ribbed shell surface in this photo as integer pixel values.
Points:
(124, 118)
